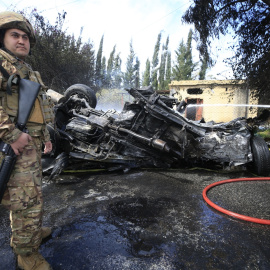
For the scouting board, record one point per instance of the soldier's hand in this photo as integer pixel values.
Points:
(48, 147)
(22, 141)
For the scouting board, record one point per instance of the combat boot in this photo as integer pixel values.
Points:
(45, 232)
(34, 261)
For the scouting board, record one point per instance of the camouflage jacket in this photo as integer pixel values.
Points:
(42, 112)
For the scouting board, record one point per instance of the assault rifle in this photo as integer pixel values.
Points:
(28, 92)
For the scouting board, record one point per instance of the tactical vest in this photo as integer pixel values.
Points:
(42, 110)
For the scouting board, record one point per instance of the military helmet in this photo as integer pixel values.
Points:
(9, 20)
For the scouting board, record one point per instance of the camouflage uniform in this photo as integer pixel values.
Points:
(23, 196)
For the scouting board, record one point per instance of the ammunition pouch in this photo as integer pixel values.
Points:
(42, 111)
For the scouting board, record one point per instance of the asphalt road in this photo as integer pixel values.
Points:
(150, 219)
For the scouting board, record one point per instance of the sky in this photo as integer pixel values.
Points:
(121, 21)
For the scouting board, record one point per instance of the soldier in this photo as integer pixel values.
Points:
(23, 196)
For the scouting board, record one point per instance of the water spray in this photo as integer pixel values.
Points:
(227, 105)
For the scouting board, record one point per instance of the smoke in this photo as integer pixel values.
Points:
(112, 99)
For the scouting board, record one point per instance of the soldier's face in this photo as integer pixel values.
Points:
(17, 42)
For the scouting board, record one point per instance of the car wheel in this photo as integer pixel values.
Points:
(55, 140)
(261, 156)
(83, 91)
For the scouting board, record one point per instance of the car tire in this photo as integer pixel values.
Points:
(261, 156)
(83, 91)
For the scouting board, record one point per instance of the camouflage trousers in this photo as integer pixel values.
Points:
(23, 197)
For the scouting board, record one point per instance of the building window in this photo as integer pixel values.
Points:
(194, 91)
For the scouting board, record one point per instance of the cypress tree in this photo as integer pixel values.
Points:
(110, 67)
(189, 65)
(178, 69)
(103, 71)
(137, 73)
(168, 70)
(155, 61)
(162, 69)
(129, 74)
(184, 63)
(146, 74)
(117, 74)
(98, 71)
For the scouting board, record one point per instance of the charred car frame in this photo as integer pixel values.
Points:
(148, 132)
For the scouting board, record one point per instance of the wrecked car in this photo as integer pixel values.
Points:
(148, 132)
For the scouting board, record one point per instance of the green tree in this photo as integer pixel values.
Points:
(61, 59)
(98, 70)
(110, 67)
(248, 22)
(177, 71)
(162, 68)
(168, 71)
(155, 61)
(137, 73)
(117, 76)
(189, 65)
(129, 78)
(146, 74)
(184, 66)
(103, 71)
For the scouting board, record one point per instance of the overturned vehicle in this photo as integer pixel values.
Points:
(148, 132)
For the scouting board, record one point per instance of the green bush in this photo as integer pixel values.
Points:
(264, 134)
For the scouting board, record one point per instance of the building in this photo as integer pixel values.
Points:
(217, 100)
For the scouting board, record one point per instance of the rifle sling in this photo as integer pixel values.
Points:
(11, 79)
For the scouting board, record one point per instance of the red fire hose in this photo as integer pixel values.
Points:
(230, 213)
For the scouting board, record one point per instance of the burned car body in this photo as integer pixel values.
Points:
(150, 133)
